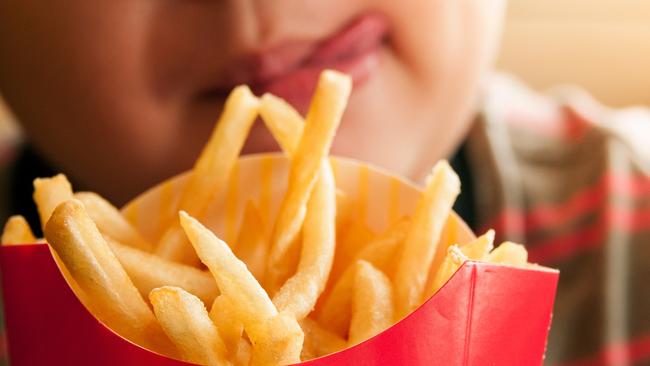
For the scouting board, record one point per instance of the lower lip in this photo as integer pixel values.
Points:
(298, 86)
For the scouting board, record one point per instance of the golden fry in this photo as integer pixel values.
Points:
(510, 254)
(223, 315)
(212, 170)
(335, 312)
(244, 353)
(148, 272)
(454, 259)
(319, 341)
(186, 322)
(232, 276)
(372, 303)
(479, 248)
(419, 248)
(299, 294)
(322, 120)
(353, 238)
(115, 300)
(49, 193)
(110, 221)
(284, 122)
(17, 231)
(274, 336)
(281, 343)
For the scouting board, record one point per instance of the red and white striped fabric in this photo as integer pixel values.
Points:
(571, 180)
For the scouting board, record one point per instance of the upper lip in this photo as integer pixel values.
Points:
(264, 67)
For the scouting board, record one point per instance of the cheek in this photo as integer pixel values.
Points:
(416, 109)
(90, 108)
(440, 40)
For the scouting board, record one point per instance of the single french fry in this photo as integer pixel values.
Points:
(252, 243)
(115, 300)
(299, 294)
(319, 341)
(244, 353)
(322, 120)
(509, 253)
(351, 241)
(335, 313)
(110, 221)
(281, 344)
(231, 329)
(420, 245)
(49, 193)
(232, 276)
(284, 122)
(454, 259)
(212, 170)
(147, 271)
(274, 336)
(17, 231)
(186, 322)
(448, 237)
(372, 303)
(479, 248)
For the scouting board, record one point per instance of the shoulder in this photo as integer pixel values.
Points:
(551, 165)
(563, 119)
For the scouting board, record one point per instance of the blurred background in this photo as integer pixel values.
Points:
(602, 46)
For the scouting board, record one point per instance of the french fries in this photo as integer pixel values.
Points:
(510, 254)
(224, 317)
(477, 249)
(212, 169)
(372, 303)
(284, 122)
(185, 320)
(276, 338)
(323, 118)
(318, 340)
(148, 272)
(299, 294)
(110, 221)
(330, 281)
(91, 262)
(453, 260)
(17, 231)
(420, 244)
(49, 193)
(336, 310)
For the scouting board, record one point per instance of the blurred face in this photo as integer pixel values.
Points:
(121, 94)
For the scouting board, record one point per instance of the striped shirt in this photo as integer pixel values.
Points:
(571, 180)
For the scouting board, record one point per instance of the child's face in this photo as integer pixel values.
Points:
(121, 94)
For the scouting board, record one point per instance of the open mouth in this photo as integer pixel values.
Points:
(291, 70)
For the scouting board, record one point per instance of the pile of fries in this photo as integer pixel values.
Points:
(308, 289)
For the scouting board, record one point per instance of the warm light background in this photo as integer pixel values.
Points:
(600, 45)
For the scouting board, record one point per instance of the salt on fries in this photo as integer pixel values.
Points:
(311, 282)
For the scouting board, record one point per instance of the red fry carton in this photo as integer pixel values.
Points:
(485, 315)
